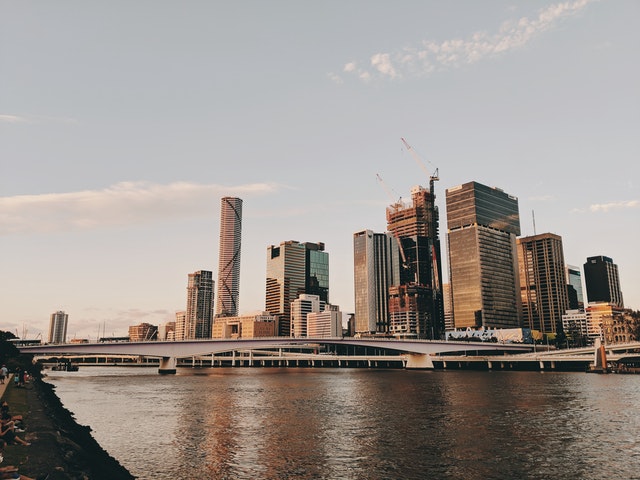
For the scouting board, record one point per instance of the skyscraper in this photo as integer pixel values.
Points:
(229, 257)
(292, 268)
(602, 281)
(543, 284)
(58, 327)
(483, 223)
(574, 288)
(376, 261)
(415, 227)
(199, 314)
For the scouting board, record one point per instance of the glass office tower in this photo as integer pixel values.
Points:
(199, 313)
(602, 281)
(483, 223)
(294, 268)
(376, 262)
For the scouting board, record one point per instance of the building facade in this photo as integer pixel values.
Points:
(292, 267)
(58, 327)
(300, 308)
(574, 288)
(258, 325)
(376, 267)
(199, 312)
(543, 283)
(602, 281)
(181, 325)
(483, 223)
(229, 257)
(143, 332)
(325, 324)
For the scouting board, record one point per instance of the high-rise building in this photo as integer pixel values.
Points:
(602, 281)
(483, 223)
(199, 313)
(292, 268)
(180, 332)
(543, 284)
(58, 327)
(229, 257)
(415, 226)
(376, 267)
(574, 288)
(448, 307)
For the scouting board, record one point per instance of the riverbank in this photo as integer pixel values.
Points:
(59, 446)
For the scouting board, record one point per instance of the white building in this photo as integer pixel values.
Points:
(300, 307)
(325, 324)
(58, 327)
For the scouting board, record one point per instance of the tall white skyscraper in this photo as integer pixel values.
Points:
(229, 257)
(58, 327)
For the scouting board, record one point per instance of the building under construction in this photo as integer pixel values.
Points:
(416, 305)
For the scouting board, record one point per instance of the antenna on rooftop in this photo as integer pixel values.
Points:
(533, 216)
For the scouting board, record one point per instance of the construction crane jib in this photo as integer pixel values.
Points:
(432, 177)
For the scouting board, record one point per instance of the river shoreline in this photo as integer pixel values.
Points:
(59, 446)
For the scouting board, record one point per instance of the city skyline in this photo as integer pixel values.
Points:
(116, 149)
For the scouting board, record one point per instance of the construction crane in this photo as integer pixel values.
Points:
(405, 264)
(388, 190)
(432, 177)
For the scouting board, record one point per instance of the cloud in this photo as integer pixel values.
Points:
(32, 119)
(12, 118)
(606, 207)
(125, 203)
(433, 56)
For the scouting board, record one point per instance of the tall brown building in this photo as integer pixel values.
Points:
(543, 283)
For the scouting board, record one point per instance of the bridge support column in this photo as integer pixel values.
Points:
(489, 364)
(419, 361)
(167, 365)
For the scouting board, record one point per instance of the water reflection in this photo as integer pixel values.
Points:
(356, 424)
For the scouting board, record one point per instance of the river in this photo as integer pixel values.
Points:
(296, 423)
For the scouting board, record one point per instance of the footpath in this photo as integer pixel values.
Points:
(59, 446)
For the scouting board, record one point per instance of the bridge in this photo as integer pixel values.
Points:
(420, 353)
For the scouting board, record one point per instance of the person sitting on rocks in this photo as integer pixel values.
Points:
(8, 433)
(11, 472)
(4, 410)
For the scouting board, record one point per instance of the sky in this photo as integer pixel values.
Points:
(122, 124)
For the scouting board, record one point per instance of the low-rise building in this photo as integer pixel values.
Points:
(256, 325)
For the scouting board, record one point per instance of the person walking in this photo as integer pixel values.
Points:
(3, 373)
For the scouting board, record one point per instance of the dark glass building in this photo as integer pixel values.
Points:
(602, 281)
(376, 267)
(294, 268)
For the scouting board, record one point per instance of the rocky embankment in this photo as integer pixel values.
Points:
(59, 446)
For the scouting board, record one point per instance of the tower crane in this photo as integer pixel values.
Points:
(405, 264)
(432, 177)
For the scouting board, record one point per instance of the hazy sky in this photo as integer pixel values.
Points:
(123, 123)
